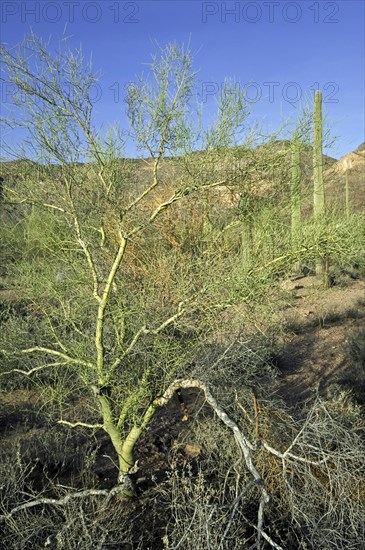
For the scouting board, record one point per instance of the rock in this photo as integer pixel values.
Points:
(192, 450)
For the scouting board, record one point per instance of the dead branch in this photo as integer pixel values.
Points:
(82, 424)
(243, 443)
(65, 499)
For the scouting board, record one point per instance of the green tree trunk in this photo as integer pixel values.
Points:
(125, 453)
(124, 446)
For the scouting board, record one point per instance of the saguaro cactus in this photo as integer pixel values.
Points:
(318, 185)
(295, 192)
(318, 197)
(347, 167)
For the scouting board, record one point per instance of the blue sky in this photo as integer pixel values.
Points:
(280, 50)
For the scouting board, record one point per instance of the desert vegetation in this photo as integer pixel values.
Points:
(146, 309)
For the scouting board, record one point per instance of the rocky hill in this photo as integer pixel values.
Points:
(354, 164)
(260, 172)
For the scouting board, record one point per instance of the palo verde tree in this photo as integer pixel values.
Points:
(104, 292)
(108, 297)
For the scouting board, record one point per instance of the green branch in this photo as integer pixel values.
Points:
(99, 344)
(144, 330)
(35, 369)
(65, 356)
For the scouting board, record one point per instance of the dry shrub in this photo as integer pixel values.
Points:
(91, 521)
(208, 497)
(317, 491)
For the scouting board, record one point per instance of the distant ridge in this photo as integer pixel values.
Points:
(354, 163)
(334, 171)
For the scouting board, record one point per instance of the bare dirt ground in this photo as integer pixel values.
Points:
(315, 355)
